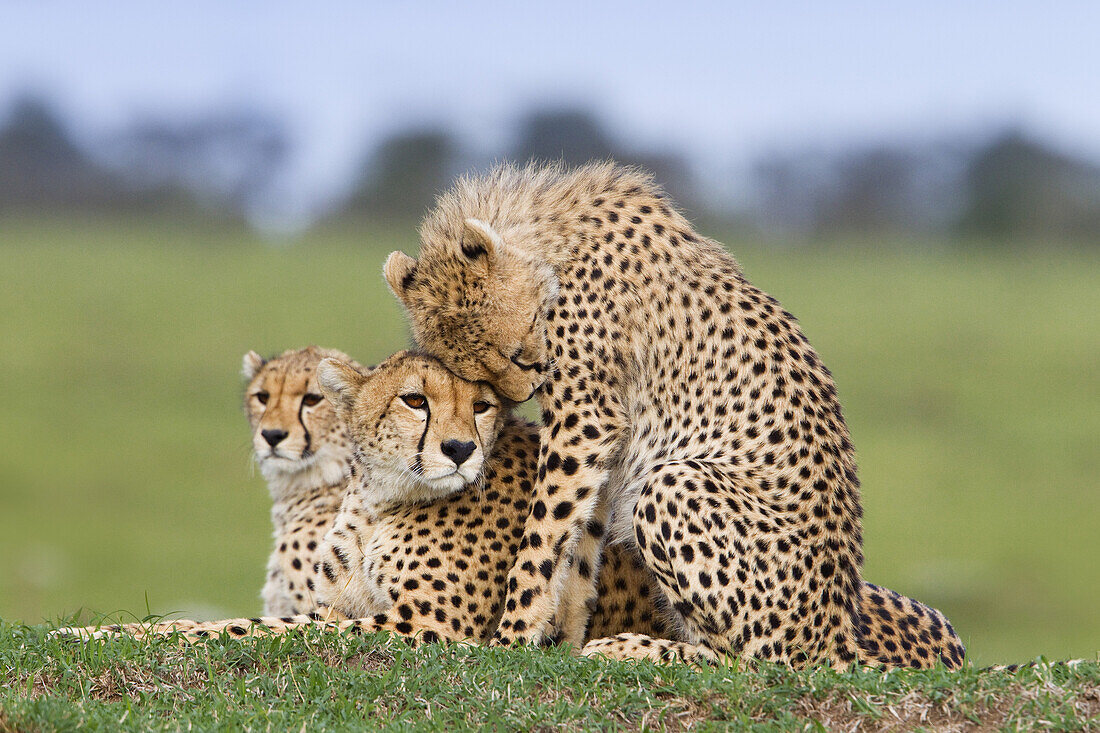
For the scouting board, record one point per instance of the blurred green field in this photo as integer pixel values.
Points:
(971, 383)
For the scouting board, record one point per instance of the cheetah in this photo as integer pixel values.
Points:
(304, 452)
(684, 412)
(439, 486)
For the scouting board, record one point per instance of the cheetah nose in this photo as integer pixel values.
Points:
(273, 437)
(457, 451)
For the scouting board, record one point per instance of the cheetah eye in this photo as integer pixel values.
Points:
(262, 397)
(415, 401)
(312, 399)
(525, 366)
(481, 406)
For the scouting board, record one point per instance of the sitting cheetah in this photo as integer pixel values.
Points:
(440, 484)
(304, 452)
(683, 408)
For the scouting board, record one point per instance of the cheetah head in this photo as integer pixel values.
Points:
(422, 432)
(479, 305)
(296, 436)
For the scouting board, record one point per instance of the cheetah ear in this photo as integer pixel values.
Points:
(480, 243)
(399, 270)
(251, 365)
(339, 383)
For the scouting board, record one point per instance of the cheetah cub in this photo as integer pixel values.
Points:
(439, 488)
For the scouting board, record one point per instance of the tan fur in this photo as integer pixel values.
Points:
(683, 408)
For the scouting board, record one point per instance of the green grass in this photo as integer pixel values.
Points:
(969, 381)
(318, 682)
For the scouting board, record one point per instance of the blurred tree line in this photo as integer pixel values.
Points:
(999, 187)
(1003, 187)
(399, 179)
(214, 165)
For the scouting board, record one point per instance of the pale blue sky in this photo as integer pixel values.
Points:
(725, 81)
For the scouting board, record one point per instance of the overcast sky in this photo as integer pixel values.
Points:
(724, 81)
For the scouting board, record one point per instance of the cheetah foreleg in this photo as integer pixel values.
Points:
(578, 596)
(573, 472)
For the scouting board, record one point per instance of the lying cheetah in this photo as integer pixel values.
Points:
(304, 452)
(682, 407)
(440, 484)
